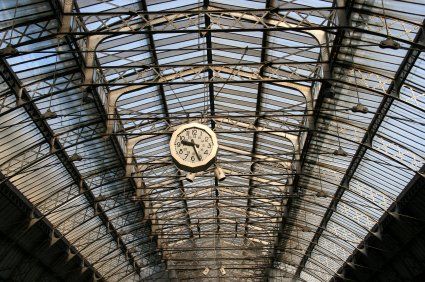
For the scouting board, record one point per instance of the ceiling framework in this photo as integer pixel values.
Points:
(318, 108)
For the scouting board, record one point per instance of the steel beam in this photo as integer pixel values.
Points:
(49, 135)
(166, 113)
(196, 12)
(35, 217)
(381, 112)
(207, 34)
(346, 10)
(161, 91)
(17, 198)
(401, 230)
(260, 89)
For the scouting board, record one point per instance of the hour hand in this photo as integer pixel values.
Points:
(187, 143)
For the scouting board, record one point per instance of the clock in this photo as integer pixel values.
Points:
(193, 147)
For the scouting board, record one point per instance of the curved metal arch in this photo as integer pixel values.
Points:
(381, 93)
(116, 94)
(121, 91)
(368, 89)
(310, 30)
(164, 20)
(329, 29)
(173, 17)
(384, 94)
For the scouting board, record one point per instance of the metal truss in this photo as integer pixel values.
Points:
(268, 218)
(35, 217)
(343, 15)
(58, 149)
(397, 248)
(115, 140)
(157, 22)
(392, 91)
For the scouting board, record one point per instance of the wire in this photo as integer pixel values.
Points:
(230, 75)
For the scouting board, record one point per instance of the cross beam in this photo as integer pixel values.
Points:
(14, 85)
(343, 15)
(393, 92)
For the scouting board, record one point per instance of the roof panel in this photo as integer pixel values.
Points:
(127, 73)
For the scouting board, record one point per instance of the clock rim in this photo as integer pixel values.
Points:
(198, 166)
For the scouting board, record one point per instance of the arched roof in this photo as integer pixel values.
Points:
(318, 107)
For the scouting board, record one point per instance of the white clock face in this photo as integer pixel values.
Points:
(193, 147)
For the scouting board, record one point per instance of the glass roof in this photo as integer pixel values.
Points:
(319, 123)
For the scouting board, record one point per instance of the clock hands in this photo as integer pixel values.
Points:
(194, 145)
(196, 151)
(187, 143)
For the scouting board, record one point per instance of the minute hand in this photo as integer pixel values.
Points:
(196, 151)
